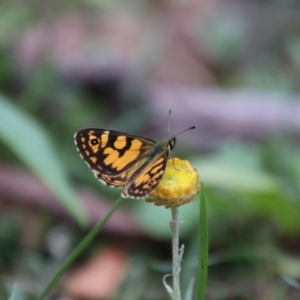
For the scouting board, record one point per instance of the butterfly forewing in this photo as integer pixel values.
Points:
(113, 156)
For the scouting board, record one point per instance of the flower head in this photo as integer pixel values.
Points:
(179, 185)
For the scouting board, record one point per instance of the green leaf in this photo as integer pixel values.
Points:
(203, 253)
(30, 142)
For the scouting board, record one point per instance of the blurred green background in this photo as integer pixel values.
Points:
(230, 67)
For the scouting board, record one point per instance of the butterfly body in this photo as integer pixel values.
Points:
(119, 159)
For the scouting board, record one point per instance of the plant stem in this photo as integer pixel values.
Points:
(176, 254)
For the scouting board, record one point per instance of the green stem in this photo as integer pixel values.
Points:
(203, 252)
(80, 248)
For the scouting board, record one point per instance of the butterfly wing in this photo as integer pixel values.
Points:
(113, 156)
(146, 181)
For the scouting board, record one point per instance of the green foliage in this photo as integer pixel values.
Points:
(31, 143)
(242, 172)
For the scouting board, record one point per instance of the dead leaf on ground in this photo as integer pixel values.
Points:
(100, 277)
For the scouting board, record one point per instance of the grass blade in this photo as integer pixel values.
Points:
(203, 252)
(78, 250)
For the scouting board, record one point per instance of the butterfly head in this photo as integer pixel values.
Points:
(171, 143)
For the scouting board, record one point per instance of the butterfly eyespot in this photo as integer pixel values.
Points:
(95, 142)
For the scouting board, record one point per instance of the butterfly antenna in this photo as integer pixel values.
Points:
(193, 127)
(169, 121)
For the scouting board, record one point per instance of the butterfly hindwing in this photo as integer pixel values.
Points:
(148, 179)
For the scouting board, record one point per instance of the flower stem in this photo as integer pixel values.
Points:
(176, 253)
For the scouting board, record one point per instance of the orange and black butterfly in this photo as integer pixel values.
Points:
(120, 159)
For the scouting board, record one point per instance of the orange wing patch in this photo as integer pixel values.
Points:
(120, 162)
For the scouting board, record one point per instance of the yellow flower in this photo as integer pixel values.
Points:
(179, 185)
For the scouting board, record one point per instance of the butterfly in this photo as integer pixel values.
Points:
(120, 159)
